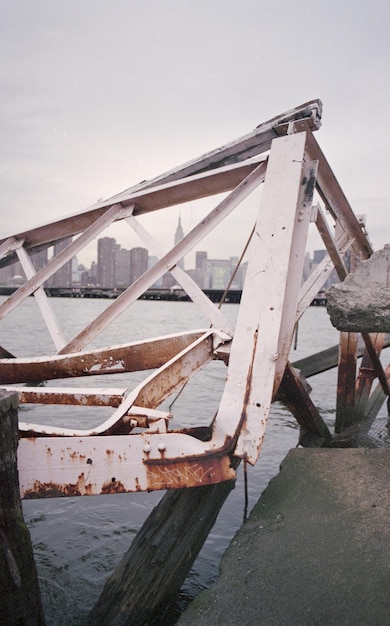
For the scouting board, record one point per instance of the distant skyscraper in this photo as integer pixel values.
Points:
(138, 263)
(63, 276)
(201, 260)
(93, 273)
(39, 259)
(179, 234)
(219, 273)
(106, 262)
(201, 269)
(123, 268)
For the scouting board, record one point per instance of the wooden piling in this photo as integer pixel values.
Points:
(20, 601)
(148, 578)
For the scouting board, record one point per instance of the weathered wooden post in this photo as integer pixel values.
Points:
(20, 601)
(151, 573)
(361, 304)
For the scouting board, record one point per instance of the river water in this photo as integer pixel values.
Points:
(78, 541)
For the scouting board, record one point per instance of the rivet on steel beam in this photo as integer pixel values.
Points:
(147, 448)
(133, 423)
(161, 446)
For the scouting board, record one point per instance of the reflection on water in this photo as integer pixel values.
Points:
(78, 541)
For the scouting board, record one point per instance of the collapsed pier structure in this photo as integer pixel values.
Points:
(135, 449)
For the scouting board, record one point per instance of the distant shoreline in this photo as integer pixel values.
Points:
(233, 296)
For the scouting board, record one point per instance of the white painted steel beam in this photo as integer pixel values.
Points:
(254, 354)
(78, 396)
(9, 245)
(40, 296)
(301, 214)
(131, 357)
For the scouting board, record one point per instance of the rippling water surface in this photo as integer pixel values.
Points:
(78, 541)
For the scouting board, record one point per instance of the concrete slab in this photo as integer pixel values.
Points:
(315, 550)
(362, 302)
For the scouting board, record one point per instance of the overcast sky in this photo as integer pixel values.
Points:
(97, 95)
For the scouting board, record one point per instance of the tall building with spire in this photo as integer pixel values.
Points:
(179, 234)
(168, 280)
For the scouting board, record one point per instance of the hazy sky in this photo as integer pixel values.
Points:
(97, 95)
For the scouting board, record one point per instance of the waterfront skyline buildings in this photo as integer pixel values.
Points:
(117, 268)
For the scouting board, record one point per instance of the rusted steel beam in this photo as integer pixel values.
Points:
(345, 406)
(137, 356)
(69, 396)
(377, 398)
(367, 374)
(154, 420)
(77, 466)
(150, 393)
(372, 350)
(293, 393)
(327, 359)
(72, 462)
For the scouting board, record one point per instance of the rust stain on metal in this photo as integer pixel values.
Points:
(149, 354)
(113, 486)
(248, 387)
(58, 490)
(174, 475)
(309, 182)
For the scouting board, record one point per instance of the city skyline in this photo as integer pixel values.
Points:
(116, 267)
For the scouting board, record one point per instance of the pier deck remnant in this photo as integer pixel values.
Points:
(315, 549)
